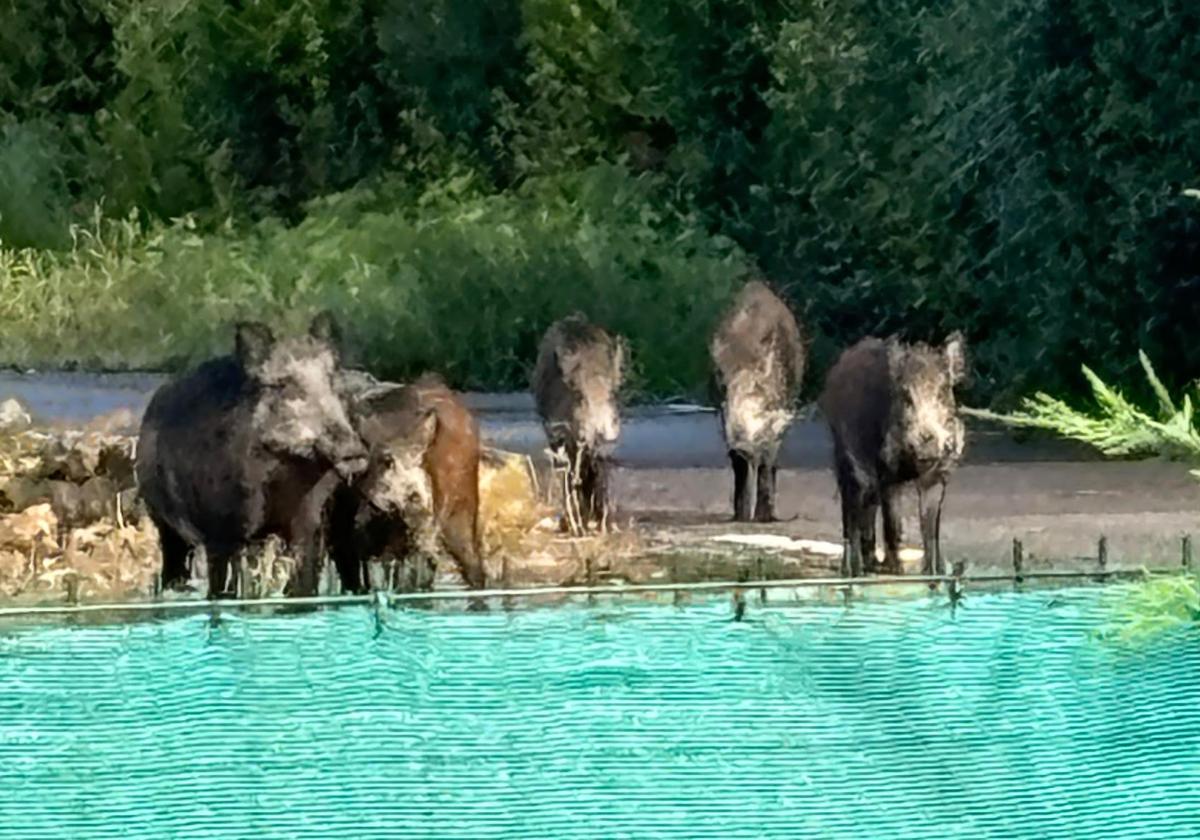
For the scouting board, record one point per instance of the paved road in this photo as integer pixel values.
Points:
(662, 437)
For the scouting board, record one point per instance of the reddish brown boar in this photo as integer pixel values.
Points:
(893, 416)
(420, 492)
(758, 359)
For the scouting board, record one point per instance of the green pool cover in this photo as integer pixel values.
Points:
(1005, 719)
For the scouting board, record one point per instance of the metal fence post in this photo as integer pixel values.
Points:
(762, 590)
(1018, 561)
(955, 587)
(739, 595)
(590, 565)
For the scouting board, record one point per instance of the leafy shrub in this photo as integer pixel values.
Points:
(1013, 170)
(56, 69)
(33, 205)
(454, 279)
(1116, 426)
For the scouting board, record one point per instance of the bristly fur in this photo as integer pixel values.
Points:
(893, 416)
(759, 354)
(245, 447)
(576, 383)
(420, 494)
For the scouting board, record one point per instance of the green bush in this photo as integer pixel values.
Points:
(1013, 170)
(455, 280)
(56, 70)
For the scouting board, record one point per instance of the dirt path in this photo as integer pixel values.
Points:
(1058, 510)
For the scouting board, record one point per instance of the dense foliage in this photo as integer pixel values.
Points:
(454, 174)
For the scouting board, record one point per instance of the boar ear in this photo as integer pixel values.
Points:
(253, 342)
(894, 348)
(621, 356)
(955, 351)
(427, 429)
(324, 327)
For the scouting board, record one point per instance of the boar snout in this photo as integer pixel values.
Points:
(605, 447)
(350, 458)
(606, 429)
(352, 468)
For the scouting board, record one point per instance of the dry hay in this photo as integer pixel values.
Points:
(510, 509)
(522, 537)
(99, 562)
(265, 569)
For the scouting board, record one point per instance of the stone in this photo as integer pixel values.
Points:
(13, 416)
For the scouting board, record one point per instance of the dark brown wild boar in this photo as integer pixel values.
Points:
(579, 372)
(894, 420)
(245, 447)
(420, 491)
(758, 359)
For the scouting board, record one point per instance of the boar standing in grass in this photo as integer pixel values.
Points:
(758, 358)
(421, 486)
(894, 420)
(579, 372)
(248, 446)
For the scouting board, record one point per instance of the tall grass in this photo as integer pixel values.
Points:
(448, 277)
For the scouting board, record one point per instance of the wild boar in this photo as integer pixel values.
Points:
(893, 416)
(420, 491)
(247, 446)
(758, 355)
(575, 384)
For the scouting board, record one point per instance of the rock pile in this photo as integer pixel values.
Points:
(72, 528)
(69, 521)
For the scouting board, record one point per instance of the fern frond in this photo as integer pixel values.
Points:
(1166, 405)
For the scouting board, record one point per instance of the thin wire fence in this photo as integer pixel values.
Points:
(955, 582)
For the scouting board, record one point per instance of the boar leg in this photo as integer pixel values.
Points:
(606, 503)
(598, 493)
(868, 512)
(741, 486)
(458, 534)
(931, 499)
(939, 561)
(764, 504)
(589, 503)
(891, 531)
(174, 555)
(849, 536)
(852, 497)
(306, 573)
(303, 537)
(858, 529)
(342, 548)
(852, 514)
(572, 495)
(218, 572)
